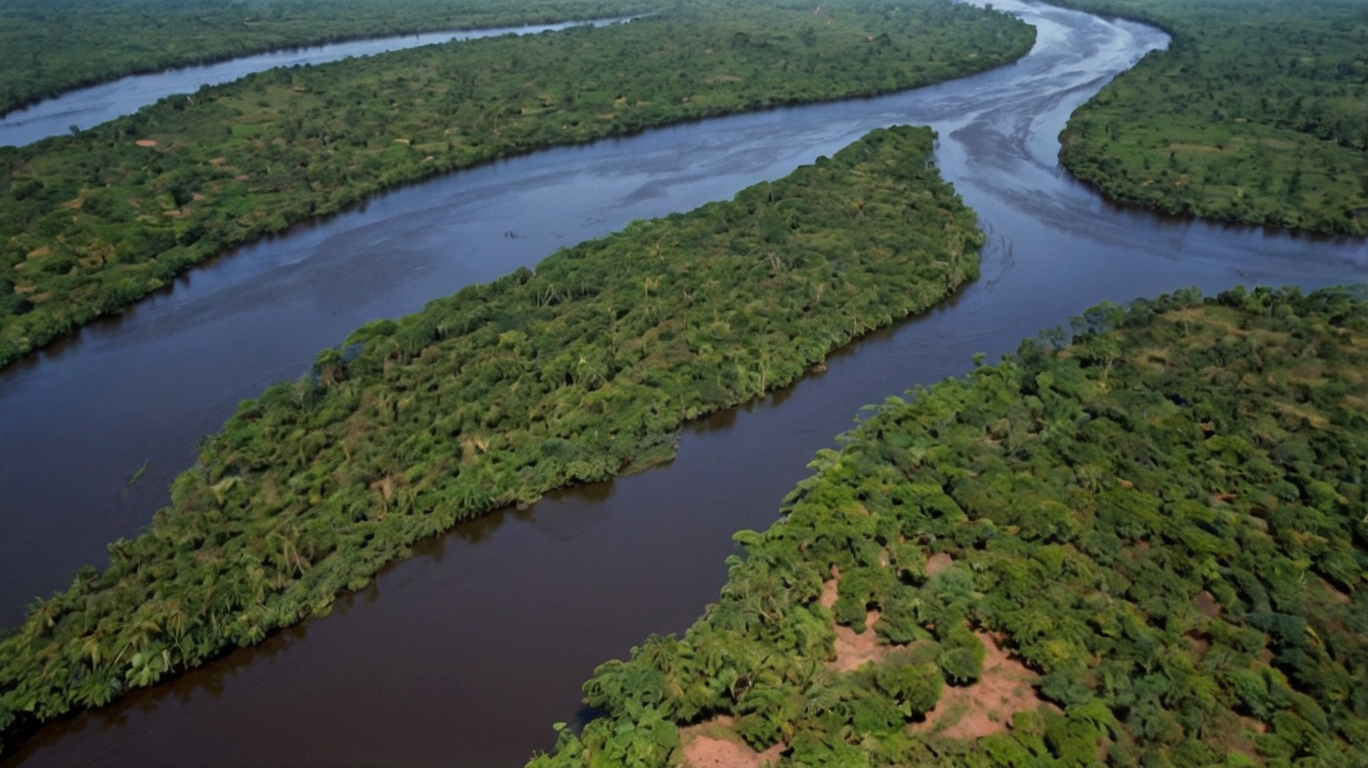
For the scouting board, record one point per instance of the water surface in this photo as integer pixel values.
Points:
(467, 653)
(86, 107)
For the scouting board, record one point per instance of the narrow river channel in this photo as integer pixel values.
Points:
(466, 653)
(91, 106)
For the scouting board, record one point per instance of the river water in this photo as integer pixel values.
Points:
(466, 653)
(86, 107)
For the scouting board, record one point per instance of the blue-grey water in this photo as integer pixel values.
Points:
(466, 653)
(86, 107)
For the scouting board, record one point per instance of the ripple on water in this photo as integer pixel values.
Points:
(470, 650)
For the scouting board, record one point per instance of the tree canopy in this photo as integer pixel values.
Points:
(92, 222)
(51, 46)
(1257, 113)
(575, 371)
(1162, 518)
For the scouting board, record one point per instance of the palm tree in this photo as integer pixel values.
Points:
(330, 367)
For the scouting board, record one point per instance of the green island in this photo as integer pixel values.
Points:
(92, 222)
(579, 370)
(1139, 545)
(48, 47)
(1257, 113)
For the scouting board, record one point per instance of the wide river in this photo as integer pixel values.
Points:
(466, 653)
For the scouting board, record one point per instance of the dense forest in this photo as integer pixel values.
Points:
(575, 371)
(51, 46)
(92, 222)
(1142, 544)
(1257, 113)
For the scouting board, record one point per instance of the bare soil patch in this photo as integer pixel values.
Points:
(1253, 724)
(145, 143)
(986, 707)
(830, 589)
(1206, 604)
(852, 649)
(938, 563)
(713, 744)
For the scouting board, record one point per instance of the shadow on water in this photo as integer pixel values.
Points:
(468, 651)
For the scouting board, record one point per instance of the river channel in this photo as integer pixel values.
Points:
(466, 653)
(86, 107)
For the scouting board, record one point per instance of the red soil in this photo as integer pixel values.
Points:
(852, 649)
(987, 706)
(714, 744)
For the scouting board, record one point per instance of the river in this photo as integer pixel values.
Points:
(466, 653)
(96, 104)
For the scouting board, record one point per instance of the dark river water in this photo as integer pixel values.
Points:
(94, 105)
(465, 654)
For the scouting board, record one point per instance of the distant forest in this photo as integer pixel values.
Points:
(92, 222)
(1257, 113)
(51, 46)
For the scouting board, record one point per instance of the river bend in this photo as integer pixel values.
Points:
(467, 652)
(86, 107)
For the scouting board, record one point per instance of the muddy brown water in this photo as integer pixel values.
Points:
(466, 653)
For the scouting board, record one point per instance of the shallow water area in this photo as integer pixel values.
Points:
(468, 652)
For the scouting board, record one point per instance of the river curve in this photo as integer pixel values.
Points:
(466, 653)
(86, 107)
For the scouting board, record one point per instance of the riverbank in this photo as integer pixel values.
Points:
(1253, 115)
(49, 47)
(1139, 543)
(88, 107)
(95, 222)
(432, 684)
(570, 373)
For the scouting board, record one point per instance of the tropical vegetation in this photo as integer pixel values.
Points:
(92, 222)
(1256, 113)
(51, 46)
(575, 371)
(1161, 516)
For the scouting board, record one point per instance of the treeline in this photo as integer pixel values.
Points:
(51, 46)
(1257, 113)
(90, 223)
(1162, 518)
(566, 373)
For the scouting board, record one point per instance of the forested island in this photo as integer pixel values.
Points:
(1257, 113)
(92, 222)
(48, 47)
(576, 371)
(1139, 544)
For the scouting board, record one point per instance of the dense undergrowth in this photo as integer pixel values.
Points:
(1163, 518)
(92, 222)
(504, 391)
(1257, 113)
(51, 46)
